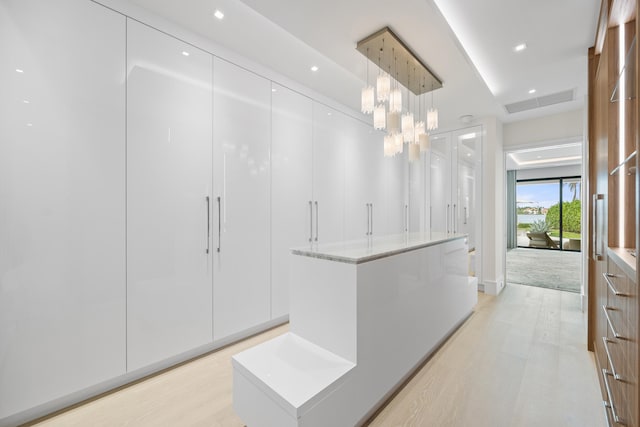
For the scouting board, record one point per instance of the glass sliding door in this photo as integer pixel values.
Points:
(549, 212)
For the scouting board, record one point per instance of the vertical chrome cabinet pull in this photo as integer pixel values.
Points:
(208, 224)
(368, 224)
(465, 216)
(406, 217)
(310, 221)
(447, 218)
(219, 224)
(597, 238)
(371, 230)
(454, 219)
(317, 220)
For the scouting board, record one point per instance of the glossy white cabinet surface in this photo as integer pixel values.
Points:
(242, 132)
(169, 177)
(291, 187)
(354, 312)
(330, 138)
(440, 194)
(62, 208)
(365, 214)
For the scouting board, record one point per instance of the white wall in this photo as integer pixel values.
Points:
(493, 206)
(548, 130)
(555, 172)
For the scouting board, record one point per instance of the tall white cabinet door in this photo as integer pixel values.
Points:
(395, 190)
(242, 118)
(62, 199)
(291, 187)
(329, 141)
(364, 181)
(169, 179)
(440, 183)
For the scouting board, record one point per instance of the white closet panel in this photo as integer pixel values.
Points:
(291, 191)
(365, 213)
(62, 199)
(242, 133)
(330, 137)
(169, 197)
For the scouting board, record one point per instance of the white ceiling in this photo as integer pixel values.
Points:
(545, 157)
(471, 50)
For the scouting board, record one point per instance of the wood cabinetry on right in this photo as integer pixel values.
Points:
(613, 210)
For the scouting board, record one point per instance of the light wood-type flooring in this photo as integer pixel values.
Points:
(519, 360)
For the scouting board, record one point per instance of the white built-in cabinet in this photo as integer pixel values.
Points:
(62, 200)
(241, 214)
(169, 196)
(292, 208)
(455, 165)
(151, 193)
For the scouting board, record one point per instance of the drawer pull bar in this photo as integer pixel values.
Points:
(612, 406)
(607, 410)
(606, 342)
(613, 330)
(610, 284)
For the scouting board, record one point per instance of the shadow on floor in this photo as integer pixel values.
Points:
(544, 268)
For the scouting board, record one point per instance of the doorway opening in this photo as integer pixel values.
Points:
(544, 218)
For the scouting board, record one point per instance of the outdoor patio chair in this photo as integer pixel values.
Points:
(540, 239)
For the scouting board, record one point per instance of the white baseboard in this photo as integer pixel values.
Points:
(494, 287)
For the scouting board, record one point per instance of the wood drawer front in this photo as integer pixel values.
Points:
(622, 308)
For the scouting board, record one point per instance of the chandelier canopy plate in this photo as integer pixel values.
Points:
(386, 49)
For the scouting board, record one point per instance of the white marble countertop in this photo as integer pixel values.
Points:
(365, 250)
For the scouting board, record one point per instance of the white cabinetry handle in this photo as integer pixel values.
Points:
(208, 223)
(317, 220)
(310, 221)
(453, 219)
(447, 218)
(465, 215)
(219, 224)
(371, 222)
(368, 220)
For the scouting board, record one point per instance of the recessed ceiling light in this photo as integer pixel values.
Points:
(25, 101)
(29, 124)
(329, 113)
(520, 47)
(273, 90)
(218, 14)
(18, 70)
(314, 68)
(185, 53)
(532, 91)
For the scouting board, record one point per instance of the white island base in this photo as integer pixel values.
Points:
(363, 316)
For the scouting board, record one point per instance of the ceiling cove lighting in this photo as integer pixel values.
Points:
(218, 14)
(398, 65)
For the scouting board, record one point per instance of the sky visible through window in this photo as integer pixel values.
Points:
(545, 194)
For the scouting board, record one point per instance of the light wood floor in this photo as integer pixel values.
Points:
(519, 360)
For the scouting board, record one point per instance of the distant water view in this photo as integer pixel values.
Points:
(529, 219)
